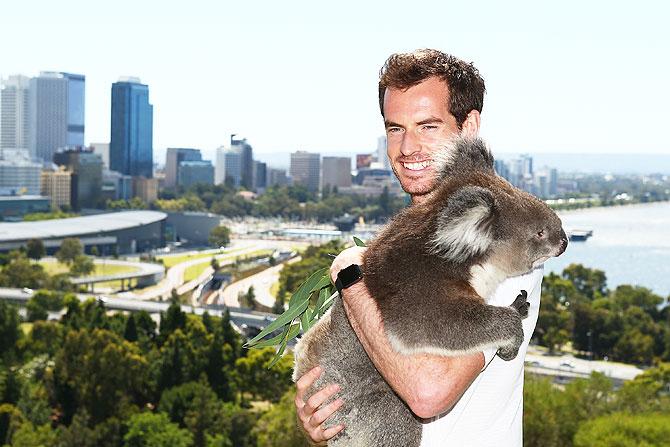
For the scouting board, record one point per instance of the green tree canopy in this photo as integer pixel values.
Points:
(155, 430)
(69, 249)
(219, 236)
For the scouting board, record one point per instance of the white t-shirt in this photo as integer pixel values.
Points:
(490, 412)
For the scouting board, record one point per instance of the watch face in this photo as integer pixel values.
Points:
(350, 275)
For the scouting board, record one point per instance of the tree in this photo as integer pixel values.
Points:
(248, 299)
(82, 266)
(625, 430)
(20, 272)
(42, 302)
(35, 249)
(69, 249)
(592, 283)
(99, 372)
(219, 236)
(279, 426)
(255, 377)
(10, 331)
(130, 331)
(155, 430)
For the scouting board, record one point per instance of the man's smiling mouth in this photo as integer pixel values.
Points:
(417, 166)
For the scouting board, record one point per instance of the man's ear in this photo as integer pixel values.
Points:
(465, 225)
(470, 127)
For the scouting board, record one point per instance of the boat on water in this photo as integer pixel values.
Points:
(579, 235)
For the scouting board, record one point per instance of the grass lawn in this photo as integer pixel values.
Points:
(196, 270)
(101, 269)
(170, 260)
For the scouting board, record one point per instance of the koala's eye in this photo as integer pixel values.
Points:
(540, 234)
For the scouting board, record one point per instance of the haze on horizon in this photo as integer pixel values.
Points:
(574, 77)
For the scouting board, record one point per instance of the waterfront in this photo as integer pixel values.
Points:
(630, 243)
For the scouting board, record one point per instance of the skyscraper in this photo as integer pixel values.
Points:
(246, 161)
(14, 113)
(306, 169)
(176, 155)
(18, 173)
(228, 166)
(56, 110)
(260, 175)
(86, 169)
(131, 144)
(382, 157)
(191, 172)
(336, 171)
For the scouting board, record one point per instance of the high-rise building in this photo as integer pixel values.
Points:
(174, 156)
(14, 113)
(277, 177)
(305, 169)
(145, 188)
(131, 144)
(86, 169)
(116, 186)
(260, 175)
(382, 156)
(19, 175)
(57, 184)
(336, 171)
(191, 172)
(102, 149)
(228, 166)
(246, 161)
(56, 113)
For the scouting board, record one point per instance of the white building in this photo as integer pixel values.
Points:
(336, 172)
(228, 166)
(102, 149)
(14, 112)
(19, 175)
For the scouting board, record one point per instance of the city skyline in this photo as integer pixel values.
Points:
(574, 78)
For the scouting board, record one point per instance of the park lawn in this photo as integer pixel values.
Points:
(194, 271)
(101, 269)
(172, 260)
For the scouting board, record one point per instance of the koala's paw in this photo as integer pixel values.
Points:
(521, 305)
(507, 353)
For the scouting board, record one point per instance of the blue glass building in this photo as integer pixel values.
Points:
(131, 142)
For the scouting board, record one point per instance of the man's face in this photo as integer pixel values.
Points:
(417, 120)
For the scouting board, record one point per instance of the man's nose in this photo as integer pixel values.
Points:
(410, 144)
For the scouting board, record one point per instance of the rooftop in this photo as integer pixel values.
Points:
(77, 226)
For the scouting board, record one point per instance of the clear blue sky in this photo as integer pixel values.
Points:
(568, 76)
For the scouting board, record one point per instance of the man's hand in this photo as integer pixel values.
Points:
(310, 415)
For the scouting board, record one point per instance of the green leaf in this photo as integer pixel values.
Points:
(305, 289)
(292, 333)
(327, 305)
(282, 347)
(323, 294)
(323, 282)
(358, 242)
(305, 320)
(284, 319)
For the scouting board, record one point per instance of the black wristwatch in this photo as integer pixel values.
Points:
(348, 276)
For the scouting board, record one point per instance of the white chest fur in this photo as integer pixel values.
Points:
(485, 279)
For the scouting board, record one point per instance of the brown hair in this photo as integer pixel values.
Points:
(466, 86)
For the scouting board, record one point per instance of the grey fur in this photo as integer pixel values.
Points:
(431, 284)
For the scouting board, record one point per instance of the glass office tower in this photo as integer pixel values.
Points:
(131, 143)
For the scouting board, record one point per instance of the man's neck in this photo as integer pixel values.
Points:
(419, 199)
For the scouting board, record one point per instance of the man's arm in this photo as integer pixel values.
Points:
(428, 384)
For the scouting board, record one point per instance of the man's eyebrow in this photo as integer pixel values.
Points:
(388, 124)
(432, 119)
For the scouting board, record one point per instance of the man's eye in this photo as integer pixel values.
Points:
(430, 127)
(393, 130)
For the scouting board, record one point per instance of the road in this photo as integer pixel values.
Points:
(262, 283)
(174, 279)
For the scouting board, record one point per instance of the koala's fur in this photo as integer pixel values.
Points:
(430, 272)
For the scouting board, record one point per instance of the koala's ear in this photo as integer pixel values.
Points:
(465, 224)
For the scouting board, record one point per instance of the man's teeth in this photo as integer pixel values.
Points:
(417, 166)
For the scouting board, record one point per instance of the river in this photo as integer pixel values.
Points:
(630, 243)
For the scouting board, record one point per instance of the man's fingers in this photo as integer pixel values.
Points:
(324, 413)
(304, 383)
(332, 431)
(317, 399)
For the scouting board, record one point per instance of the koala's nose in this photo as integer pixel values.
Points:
(564, 242)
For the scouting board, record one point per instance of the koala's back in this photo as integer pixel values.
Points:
(372, 413)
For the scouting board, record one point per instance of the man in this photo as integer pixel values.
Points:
(473, 400)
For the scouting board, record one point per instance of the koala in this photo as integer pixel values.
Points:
(430, 272)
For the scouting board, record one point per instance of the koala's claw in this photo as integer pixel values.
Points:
(508, 353)
(521, 305)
